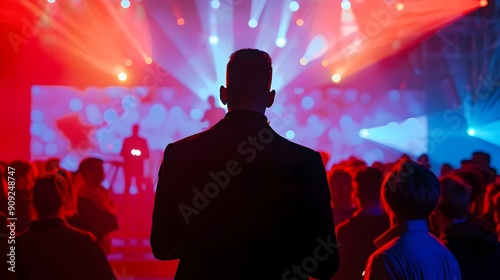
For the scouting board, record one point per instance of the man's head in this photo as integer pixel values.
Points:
(248, 81)
(455, 197)
(92, 170)
(135, 129)
(47, 197)
(367, 188)
(24, 175)
(52, 165)
(410, 191)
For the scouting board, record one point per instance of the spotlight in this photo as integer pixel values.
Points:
(400, 7)
(293, 6)
(290, 134)
(363, 133)
(324, 63)
(125, 3)
(51, 1)
(180, 21)
(252, 23)
(345, 4)
(280, 42)
(128, 62)
(148, 60)
(213, 39)
(471, 131)
(336, 78)
(215, 4)
(483, 3)
(303, 61)
(122, 76)
(299, 22)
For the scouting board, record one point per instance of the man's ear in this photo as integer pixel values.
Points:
(270, 98)
(223, 95)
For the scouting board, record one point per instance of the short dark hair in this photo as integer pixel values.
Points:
(368, 181)
(88, 163)
(340, 182)
(47, 197)
(22, 169)
(410, 190)
(455, 197)
(248, 70)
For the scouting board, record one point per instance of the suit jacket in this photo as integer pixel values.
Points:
(238, 201)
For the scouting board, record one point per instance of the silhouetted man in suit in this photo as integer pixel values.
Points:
(239, 201)
(134, 152)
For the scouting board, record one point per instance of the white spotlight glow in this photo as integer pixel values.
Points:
(280, 42)
(252, 23)
(51, 1)
(213, 39)
(363, 133)
(215, 4)
(345, 4)
(471, 131)
(293, 6)
(122, 76)
(336, 78)
(125, 4)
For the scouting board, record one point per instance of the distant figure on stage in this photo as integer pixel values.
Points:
(238, 201)
(213, 114)
(134, 152)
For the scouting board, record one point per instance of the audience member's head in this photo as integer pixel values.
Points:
(424, 160)
(367, 187)
(52, 165)
(248, 81)
(24, 175)
(68, 192)
(340, 183)
(446, 169)
(356, 164)
(48, 200)
(474, 179)
(454, 201)
(489, 206)
(92, 171)
(409, 192)
(379, 166)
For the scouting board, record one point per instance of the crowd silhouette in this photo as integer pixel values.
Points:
(238, 201)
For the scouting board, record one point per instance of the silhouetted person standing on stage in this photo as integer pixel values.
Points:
(134, 152)
(239, 201)
(213, 114)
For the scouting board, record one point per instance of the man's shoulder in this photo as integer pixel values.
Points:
(193, 139)
(213, 133)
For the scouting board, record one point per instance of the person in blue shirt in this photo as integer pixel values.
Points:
(410, 193)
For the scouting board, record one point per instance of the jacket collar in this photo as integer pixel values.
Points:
(400, 229)
(246, 115)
